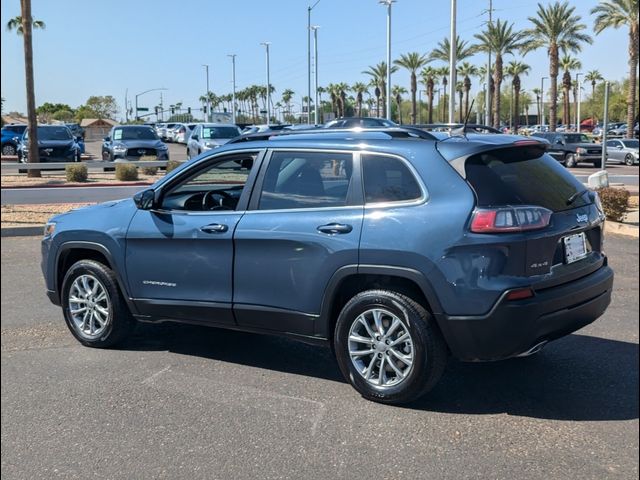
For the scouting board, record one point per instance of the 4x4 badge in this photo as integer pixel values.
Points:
(582, 218)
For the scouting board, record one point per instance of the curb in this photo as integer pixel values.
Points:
(79, 185)
(617, 228)
(22, 231)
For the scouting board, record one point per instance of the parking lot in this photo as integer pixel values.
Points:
(190, 402)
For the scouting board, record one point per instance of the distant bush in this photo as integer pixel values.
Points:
(126, 172)
(172, 165)
(76, 172)
(614, 202)
(149, 170)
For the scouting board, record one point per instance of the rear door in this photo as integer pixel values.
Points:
(303, 224)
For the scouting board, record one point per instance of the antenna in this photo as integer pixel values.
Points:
(462, 131)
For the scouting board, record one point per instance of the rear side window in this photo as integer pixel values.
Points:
(306, 180)
(388, 179)
(520, 176)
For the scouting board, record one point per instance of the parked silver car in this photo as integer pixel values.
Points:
(207, 136)
(183, 131)
(623, 150)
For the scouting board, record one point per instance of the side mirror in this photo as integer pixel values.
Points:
(107, 139)
(79, 139)
(145, 199)
(559, 142)
(195, 137)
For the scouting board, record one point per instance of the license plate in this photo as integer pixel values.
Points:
(575, 247)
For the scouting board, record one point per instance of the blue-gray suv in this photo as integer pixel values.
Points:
(396, 247)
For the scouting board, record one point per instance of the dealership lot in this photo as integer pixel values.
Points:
(190, 402)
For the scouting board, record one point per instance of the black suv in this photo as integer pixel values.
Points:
(570, 149)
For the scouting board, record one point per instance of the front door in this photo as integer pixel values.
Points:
(179, 256)
(303, 224)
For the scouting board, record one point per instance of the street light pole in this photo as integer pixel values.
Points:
(487, 99)
(579, 87)
(142, 93)
(542, 98)
(266, 45)
(452, 65)
(233, 81)
(309, 62)
(315, 69)
(605, 126)
(388, 89)
(208, 116)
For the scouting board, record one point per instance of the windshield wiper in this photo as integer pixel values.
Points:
(576, 196)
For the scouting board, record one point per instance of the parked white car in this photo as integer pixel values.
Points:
(207, 136)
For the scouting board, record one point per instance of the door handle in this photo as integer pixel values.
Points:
(214, 228)
(335, 228)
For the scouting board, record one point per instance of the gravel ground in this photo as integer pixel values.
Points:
(32, 215)
(58, 178)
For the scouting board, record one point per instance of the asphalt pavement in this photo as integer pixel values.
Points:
(190, 402)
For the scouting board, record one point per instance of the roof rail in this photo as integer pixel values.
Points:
(378, 133)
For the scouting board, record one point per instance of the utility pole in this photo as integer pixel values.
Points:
(315, 72)
(605, 125)
(266, 45)
(126, 108)
(309, 62)
(233, 81)
(388, 89)
(542, 99)
(579, 87)
(161, 108)
(208, 116)
(487, 100)
(452, 65)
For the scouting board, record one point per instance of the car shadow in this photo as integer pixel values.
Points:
(579, 377)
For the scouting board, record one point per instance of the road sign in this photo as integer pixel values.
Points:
(263, 112)
(143, 109)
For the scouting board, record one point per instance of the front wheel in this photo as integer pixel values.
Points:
(8, 149)
(629, 160)
(388, 347)
(570, 161)
(94, 309)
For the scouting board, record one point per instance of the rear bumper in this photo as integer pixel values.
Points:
(514, 327)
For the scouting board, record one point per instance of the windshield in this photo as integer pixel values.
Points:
(134, 133)
(219, 132)
(52, 133)
(577, 138)
(631, 143)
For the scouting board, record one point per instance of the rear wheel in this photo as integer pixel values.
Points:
(94, 309)
(8, 149)
(629, 160)
(388, 347)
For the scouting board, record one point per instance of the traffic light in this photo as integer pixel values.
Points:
(189, 110)
(173, 110)
(156, 110)
(204, 109)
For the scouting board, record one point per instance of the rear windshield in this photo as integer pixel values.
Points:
(520, 176)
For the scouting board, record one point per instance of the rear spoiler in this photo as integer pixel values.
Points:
(457, 153)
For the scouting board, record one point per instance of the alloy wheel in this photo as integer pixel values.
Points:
(89, 306)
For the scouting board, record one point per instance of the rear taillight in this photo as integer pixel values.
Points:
(509, 219)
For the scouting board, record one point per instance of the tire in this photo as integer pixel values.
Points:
(117, 321)
(570, 161)
(629, 160)
(77, 157)
(8, 149)
(425, 349)
(188, 155)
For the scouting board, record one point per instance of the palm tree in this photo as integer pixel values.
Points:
(413, 62)
(378, 74)
(24, 25)
(556, 28)
(538, 93)
(615, 14)
(333, 93)
(397, 91)
(525, 101)
(444, 72)
(287, 95)
(466, 70)
(321, 90)
(359, 89)
(342, 88)
(460, 92)
(567, 63)
(594, 77)
(429, 76)
(443, 50)
(514, 70)
(500, 39)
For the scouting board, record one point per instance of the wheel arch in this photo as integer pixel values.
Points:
(353, 279)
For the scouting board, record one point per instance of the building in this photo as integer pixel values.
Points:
(97, 128)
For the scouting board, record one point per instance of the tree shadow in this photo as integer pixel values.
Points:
(579, 377)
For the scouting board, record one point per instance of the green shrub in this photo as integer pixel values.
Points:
(76, 172)
(126, 172)
(149, 170)
(614, 202)
(172, 165)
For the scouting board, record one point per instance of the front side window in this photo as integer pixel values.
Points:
(388, 179)
(306, 180)
(217, 187)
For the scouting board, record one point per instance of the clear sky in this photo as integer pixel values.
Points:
(106, 47)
